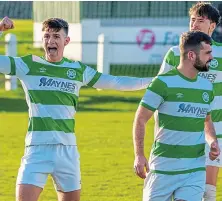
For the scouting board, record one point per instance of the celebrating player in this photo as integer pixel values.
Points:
(52, 84)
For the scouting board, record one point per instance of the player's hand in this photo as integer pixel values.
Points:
(141, 166)
(214, 150)
(6, 24)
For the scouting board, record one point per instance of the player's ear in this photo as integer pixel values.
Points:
(191, 55)
(67, 40)
(42, 36)
(212, 26)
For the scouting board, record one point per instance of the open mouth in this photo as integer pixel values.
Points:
(52, 50)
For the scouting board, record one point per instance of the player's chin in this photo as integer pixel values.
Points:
(195, 30)
(207, 66)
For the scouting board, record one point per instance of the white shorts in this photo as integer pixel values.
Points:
(60, 161)
(218, 161)
(160, 187)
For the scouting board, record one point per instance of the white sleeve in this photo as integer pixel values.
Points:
(165, 67)
(13, 66)
(168, 61)
(5, 65)
(90, 76)
(122, 83)
(21, 67)
(98, 80)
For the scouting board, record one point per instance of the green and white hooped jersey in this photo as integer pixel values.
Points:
(52, 91)
(181, 106)
(214, 75)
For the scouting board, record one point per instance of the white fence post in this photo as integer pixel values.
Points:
(10, 50)
(103, 54)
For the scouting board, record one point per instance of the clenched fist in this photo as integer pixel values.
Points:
(6, 24)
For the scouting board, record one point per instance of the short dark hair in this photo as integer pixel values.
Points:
(56, 24)
(205, 9)
(192, 41)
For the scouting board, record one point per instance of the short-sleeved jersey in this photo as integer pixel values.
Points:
(214, 75)
(181, 106)
(52, 91)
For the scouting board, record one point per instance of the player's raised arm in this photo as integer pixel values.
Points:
(6, 24)
(122, 83)
(5, 62)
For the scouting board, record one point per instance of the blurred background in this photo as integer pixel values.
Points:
(120, 38)
(136, 34)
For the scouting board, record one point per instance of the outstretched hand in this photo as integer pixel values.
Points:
(6, 24)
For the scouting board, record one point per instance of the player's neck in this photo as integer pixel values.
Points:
(53, 59)
(187, 70)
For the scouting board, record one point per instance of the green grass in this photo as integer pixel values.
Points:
(103, 129)
(104, 136)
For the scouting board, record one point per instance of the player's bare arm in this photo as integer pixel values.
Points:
(6, 24)
(141, 118)
(5, 64)
(211, 138)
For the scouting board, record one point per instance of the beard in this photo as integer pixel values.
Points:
(200, 66)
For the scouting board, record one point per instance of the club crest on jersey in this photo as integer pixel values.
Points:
(214, 63)
(71, 73)
(205, 97)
